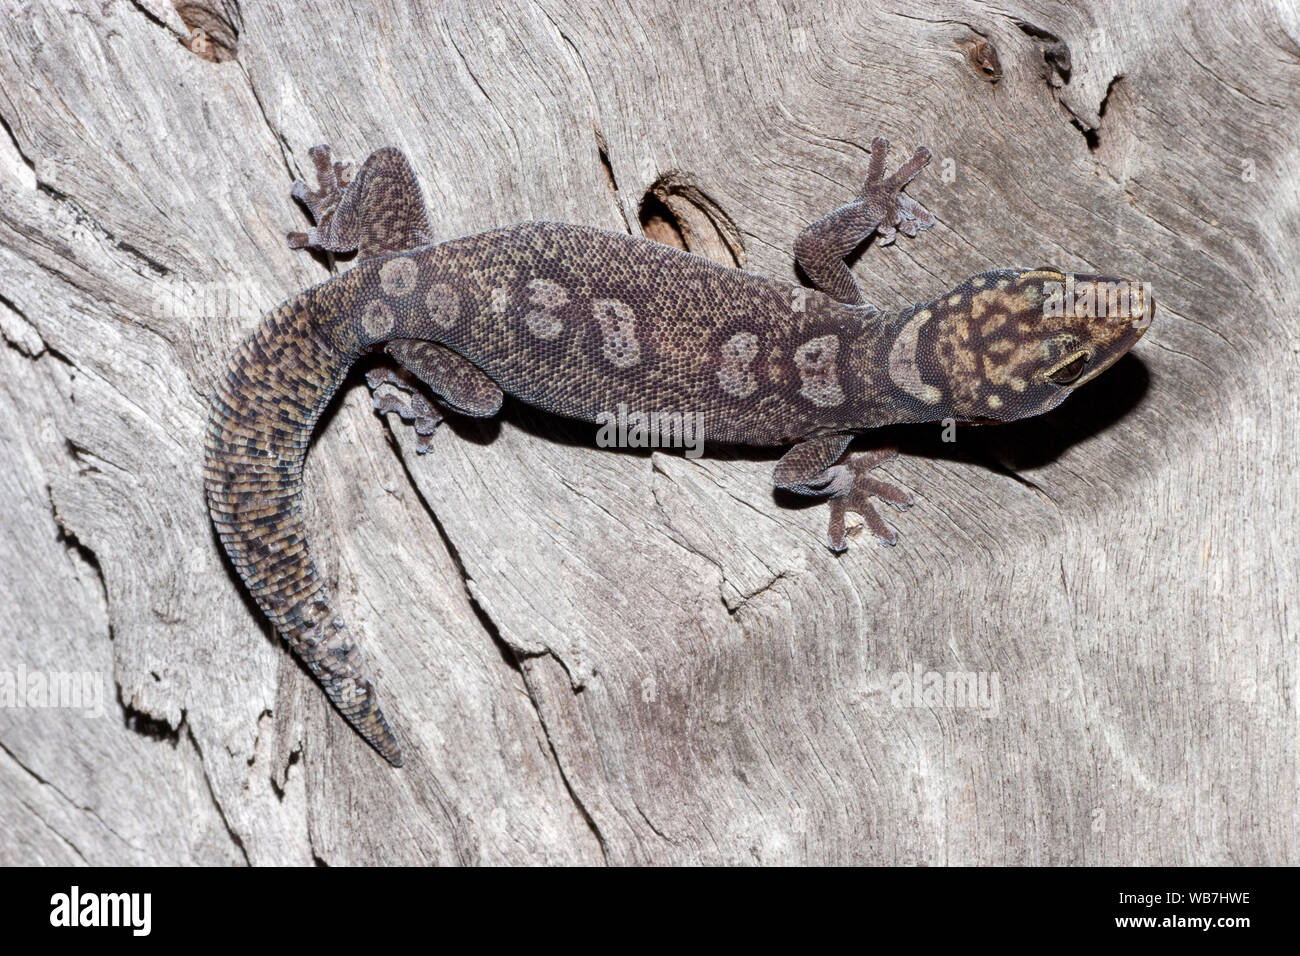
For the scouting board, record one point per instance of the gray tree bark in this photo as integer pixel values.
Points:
(599, 656)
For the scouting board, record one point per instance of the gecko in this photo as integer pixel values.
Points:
(577, 320)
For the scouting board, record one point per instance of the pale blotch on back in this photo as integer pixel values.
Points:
(734, 376)
(618, 330)
(377, 319)
(819, 371)
(397, 277)
(902, 361)
(444, 305)
(546, 297)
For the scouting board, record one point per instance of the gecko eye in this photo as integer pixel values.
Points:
(1071, 370)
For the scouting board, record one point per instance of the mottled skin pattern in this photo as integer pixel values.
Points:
(578, 321)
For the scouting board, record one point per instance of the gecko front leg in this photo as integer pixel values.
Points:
(880, 207)
(813, 467)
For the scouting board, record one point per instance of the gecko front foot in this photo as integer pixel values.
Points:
(332, 179)
(884, 198)
(395, 390)
(879, 208)
(852, 487)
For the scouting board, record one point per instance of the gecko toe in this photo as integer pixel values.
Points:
(875, 523)
(909, 208)
(868, 487)
(835, 532)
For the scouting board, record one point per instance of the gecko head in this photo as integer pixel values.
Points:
(1010, 344)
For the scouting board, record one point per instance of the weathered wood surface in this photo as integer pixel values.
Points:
(638, 658)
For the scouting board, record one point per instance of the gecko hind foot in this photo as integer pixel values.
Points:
(852, 487)
(332, 178)
(396, 390)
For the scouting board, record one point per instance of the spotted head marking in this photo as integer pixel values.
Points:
(1010, 344)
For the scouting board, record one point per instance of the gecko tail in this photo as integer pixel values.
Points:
(336, 663)
(263, 413)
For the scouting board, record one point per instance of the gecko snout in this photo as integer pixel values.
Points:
(1106, 315)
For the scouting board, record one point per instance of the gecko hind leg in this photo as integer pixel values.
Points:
(810, 468)
(397, 390)
(378, 212)
(879, 207)
(460, 385)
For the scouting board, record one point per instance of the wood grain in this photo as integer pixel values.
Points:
(633, 658)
